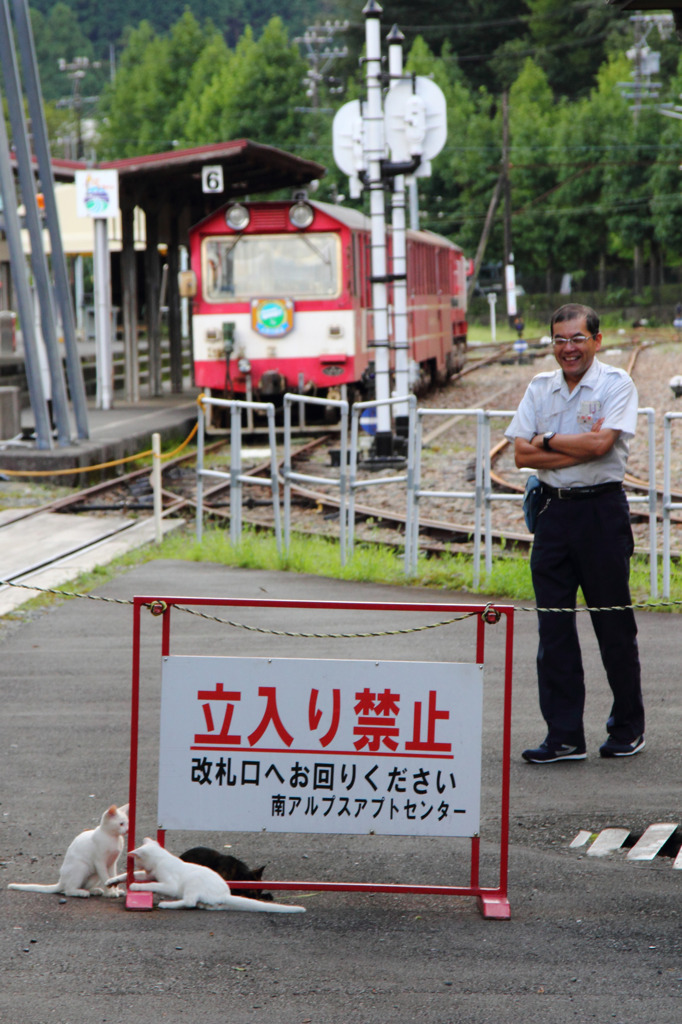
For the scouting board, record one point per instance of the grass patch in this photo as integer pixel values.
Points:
(319, 556)
(509, 579)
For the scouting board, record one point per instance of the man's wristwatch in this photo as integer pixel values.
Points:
(546, 438)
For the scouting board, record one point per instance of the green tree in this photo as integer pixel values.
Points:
(627, 195)
(453, 201)
(666, 178)
(256, 93)
(231, 18)
(533, 178)
(183, 122)
(589, 132)
(129, 106)
(153, 78)
(57, 36)
(475, 29)
(570, 41)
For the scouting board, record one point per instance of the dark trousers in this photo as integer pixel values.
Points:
(588, 544)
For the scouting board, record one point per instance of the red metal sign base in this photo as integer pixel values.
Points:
(495, 907)
(139, 901)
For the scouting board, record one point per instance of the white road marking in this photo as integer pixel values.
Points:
(608, 841)
(648, 845)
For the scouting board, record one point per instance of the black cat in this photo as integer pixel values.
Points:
(230, 868)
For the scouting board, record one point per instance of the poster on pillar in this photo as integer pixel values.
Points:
(97, 199)
(96, 193)
(308, 746)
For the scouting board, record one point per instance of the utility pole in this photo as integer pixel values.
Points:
(505, 178)
(509, 272)
(485, 234)
(321, 55)
(643, 90)
(48, 323)
(24, 300)
(76, 70)
(74, 371)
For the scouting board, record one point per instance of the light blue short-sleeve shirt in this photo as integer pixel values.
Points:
(604, 391)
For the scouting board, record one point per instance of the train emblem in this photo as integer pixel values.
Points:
(273, 318)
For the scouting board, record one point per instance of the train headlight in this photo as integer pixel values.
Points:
(237, 217)
(301, 215)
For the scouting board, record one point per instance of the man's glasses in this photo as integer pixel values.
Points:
(576, 339)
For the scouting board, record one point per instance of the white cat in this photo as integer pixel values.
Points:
(191, 885)
(91, 859)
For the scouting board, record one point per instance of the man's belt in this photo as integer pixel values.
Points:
(576, 493)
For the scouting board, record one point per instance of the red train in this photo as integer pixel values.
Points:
(283, 302)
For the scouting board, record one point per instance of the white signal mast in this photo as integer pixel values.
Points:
(412, 127)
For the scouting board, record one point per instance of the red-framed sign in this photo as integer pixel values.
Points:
(325, 746)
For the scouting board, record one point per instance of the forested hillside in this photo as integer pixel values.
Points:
(594, 179)
(106, 25)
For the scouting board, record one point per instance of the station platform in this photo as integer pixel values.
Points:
(115, 433)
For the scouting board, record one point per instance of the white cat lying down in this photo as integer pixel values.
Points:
(191, 885)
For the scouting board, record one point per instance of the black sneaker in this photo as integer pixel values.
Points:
(547, 752)
(614, 748)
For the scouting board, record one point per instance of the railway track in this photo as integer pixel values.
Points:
(129, 497)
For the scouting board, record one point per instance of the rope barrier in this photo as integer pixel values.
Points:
(158, 607)
(101, 465)
(325, 636)
(65, 593)
(639, 606)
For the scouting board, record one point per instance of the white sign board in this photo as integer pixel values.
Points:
(415, 116)
(96, 193)
(212, 178)
(351, 747)
(348, 144)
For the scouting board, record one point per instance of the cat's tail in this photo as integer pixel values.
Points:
(232, 902)
(29, 887)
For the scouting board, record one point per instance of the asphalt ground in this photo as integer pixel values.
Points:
(589, 939)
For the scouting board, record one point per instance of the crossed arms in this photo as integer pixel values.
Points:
(567, 449)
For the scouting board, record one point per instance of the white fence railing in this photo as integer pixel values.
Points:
(668, 504)
(356, 484)
(235, 476)
(633, 499)
(482, 495)
(475, 495)
(289, 475)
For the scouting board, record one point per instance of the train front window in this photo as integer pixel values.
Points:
(299, 266)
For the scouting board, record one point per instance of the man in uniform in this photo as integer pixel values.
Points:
(573, 428)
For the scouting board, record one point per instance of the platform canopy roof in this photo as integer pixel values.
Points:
(172, 182)
(62, 170)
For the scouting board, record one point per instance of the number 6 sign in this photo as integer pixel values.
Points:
(212, 178)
